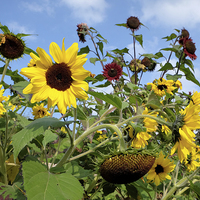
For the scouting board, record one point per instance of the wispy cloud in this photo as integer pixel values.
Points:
(15, 27)
(88, 11)
(42, 6)
(169, 13)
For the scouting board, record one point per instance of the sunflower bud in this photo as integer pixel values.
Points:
(126, 168)
(133, 23)
(12, 47)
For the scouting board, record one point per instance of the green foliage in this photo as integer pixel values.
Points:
(37, 127)
(42, 185)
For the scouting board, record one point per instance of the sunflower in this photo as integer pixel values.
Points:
(184, 137)
(160, 169)
(189, 48)
(139, 66)
(112, 71)
(39, 111)
(161, 85)
(196, 98)
(102, 135)
(192, 161)
(133, 23)
(61, 82)
(140, 140)
(11, 46)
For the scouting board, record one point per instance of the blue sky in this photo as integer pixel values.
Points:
(51, 21)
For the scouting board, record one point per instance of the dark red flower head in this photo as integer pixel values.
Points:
(133, 23)
(189, 48)
(82, 31)
(184, 36)
(112, 71)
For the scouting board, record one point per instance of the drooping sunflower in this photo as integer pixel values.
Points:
(161, 85)
(112, 71)
(189, 48)
(160, 169)
(40, 111)
(61, 82)
(133, 23)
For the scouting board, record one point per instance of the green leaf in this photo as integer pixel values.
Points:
(19, 88)
(189, 75)
(167, 66)
(153, 100)
(37, 127)
(106, 84)
(124, 105)
(84, 50)
(195, 187)
(132, 86)
(121, 52)
(6, 190)
(5, 29)
(43, 185)
(189, 63)
(28, 51)
(150, 55)
(80, 114)
(22, 120)
(13, 75)
(100, 36)
(49, 136)
(173, 77)
(93, 60)
(139, 38)
(171, 37)
(123, 24)
(111, 99)
(100, 44)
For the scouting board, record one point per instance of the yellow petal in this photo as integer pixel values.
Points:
(56, 52)
(71, 54)
(44, 57)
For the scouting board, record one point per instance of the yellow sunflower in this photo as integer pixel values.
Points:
(102, 135)
(141, 138)
(161, 85)
(192, 161)
(160, 169)
(32, 62)
(39, 111)
(61, 82)
(185, 139)
(196, 98)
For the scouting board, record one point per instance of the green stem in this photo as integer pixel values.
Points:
(74, 126)
(5, 69)
(69, 152)
(180, 184)
(92, 184)
(3, 173)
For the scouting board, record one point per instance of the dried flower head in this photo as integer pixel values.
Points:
(12, 48)
(148, 63)
(82, 31)
(126, 168)
(139, 66)
(189, 49)
(133, 23)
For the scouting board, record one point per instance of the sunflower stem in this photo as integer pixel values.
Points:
(74, 126)
(5, 69)
(70, 151)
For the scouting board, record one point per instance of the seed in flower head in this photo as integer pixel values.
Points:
(126, 168)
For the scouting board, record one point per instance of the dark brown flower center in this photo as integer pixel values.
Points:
(159, 169)
(41, 112)
(162, 87)
(185, 33)
(58, 76)
(12, 48)
(112, 72)
(190, 47)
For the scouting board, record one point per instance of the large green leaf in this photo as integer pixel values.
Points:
(40, 184)
(49, 136)
(37, 127)
(111, 99)
(19, 88)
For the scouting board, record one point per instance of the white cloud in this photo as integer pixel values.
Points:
(88, 11)
(43, 6)
(15, 27)
(171, 13)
